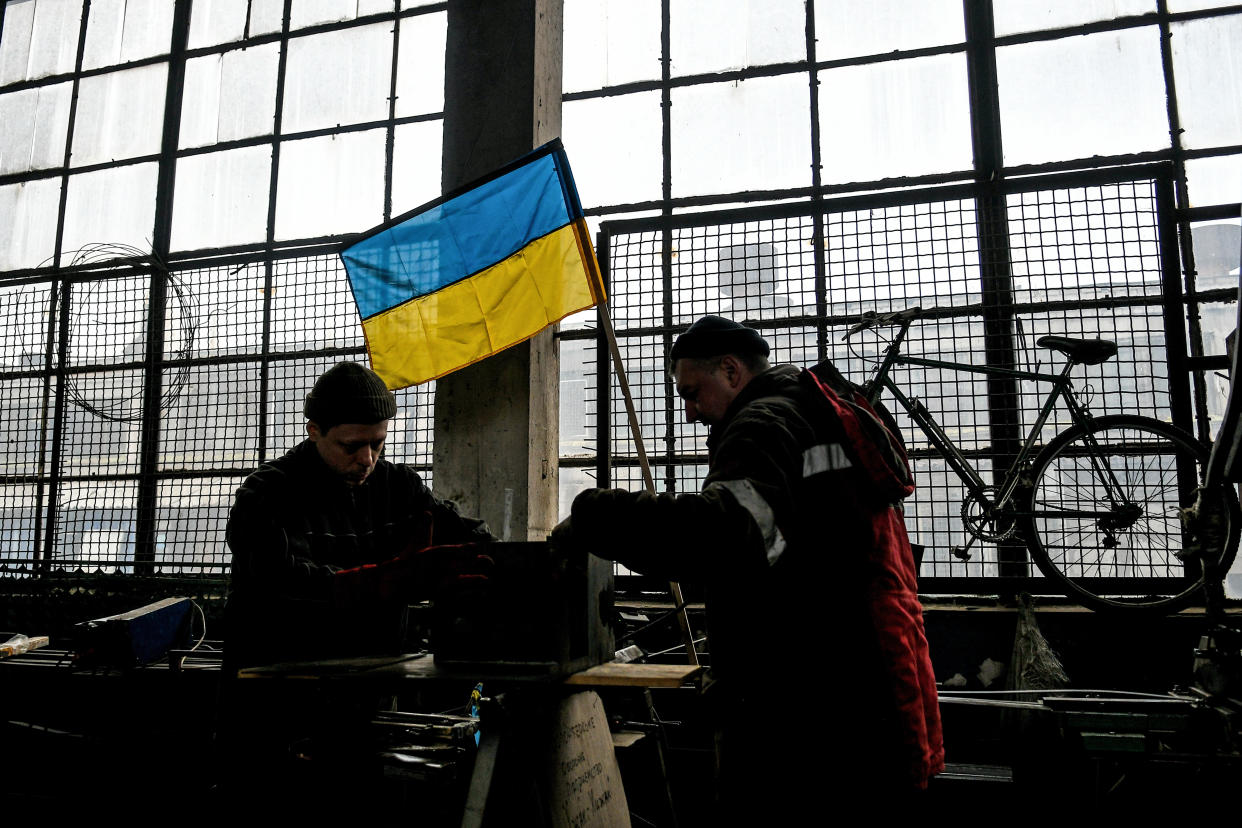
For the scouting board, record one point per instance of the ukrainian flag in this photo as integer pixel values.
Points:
(474, 272)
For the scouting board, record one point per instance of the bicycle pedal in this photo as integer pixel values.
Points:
(960, 552)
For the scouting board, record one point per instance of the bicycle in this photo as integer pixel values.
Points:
(1103, 501)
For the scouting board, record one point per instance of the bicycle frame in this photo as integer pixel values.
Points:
(1062, 389)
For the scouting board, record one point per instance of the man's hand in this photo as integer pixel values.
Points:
(562, 536)
(412, 575)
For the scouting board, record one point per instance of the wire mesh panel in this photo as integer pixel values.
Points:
(242, 345)
(213, 423)
(753, 270)
(1081, 260)
(95, 526)
(191, 519)
(312, 307)
(888, 257)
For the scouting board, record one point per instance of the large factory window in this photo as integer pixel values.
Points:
(240, 145)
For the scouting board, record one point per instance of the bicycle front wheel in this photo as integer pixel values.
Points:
(1103, 517)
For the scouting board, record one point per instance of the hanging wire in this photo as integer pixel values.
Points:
(125, 408)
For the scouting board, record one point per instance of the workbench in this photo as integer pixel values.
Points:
(545, 756)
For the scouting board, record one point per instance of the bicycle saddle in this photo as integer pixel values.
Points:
(1084, 351)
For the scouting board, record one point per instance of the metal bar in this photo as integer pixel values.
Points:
(603, 384)
(66, 292)
(1172, 301)
(995, 281)
(1182, 200)
(391, 130)
(818, 236)
(146, 522)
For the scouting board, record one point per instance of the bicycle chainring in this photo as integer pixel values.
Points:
(998, 525)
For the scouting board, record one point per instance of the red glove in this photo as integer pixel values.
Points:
(412, 575)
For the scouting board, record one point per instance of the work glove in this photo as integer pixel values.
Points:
(413, 575)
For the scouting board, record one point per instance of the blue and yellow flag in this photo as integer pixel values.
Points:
(474, 272)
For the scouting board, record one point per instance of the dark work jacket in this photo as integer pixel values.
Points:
(791, 547)
(294, 525)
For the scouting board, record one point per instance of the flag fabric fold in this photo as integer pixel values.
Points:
(474, 272)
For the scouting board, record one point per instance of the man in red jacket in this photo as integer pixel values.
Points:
(824, 684)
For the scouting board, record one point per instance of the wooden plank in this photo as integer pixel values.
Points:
(635, 675)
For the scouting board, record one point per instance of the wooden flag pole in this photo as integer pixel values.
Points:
(674, 588)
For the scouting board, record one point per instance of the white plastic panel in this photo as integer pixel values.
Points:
(217, 21)
(748, 135)
(36, 122)
(40, 38)
(850, 28)
(28, 233)
(614, 145)
(112, 206)
(229, 96)
(119, 31)
(417, 149)
(336, 78)
(1208, 72)
(719, 35)
(330, 185)
(1097, 94)
(1012, 16)
(882, 120)
(221, 198)
(120, 115)
(420, 65)
(610, 42)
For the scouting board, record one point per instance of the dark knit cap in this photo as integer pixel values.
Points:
(349, 392)
(716, 336)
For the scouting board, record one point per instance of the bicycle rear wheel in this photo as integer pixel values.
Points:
(1116, 547)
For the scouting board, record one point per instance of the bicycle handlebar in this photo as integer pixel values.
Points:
(871, 319)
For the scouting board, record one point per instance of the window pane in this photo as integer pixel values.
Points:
(715, 35)
(28, 231)
(309, 12)
(338, 77)
(217, 21)
(420, 68)
(36, 122)
(330, 185)
(229, 96)
(120, 115)
(123, 30)
(1049, 112)
(907, 117)
(266, 16)
(40, 38)
(113, 206)
(749, 135)
(417, 149)
(615, 145)
(849, 28)
(312, 12)
(610, 42)
(1214, 180)
(1033, 15)
(221, 198)
(1208, 74)
(1195, 5)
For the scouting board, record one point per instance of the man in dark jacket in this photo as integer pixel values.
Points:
(814, 628)
(326, 539)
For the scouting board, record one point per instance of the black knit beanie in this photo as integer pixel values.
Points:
(716, 336)
(349, 392)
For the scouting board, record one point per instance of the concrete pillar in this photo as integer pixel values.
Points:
(496, 422)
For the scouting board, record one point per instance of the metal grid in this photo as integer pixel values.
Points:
(242, 344)
(1079, 257)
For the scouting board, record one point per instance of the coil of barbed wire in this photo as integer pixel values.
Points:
(109, 309)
